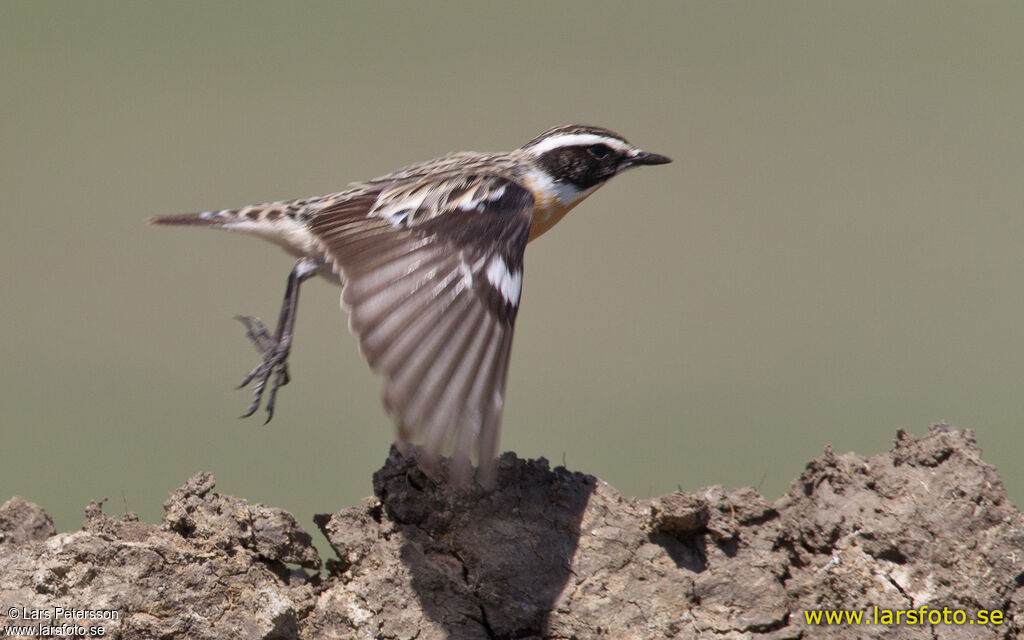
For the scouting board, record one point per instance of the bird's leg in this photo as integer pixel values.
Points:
(275, 349)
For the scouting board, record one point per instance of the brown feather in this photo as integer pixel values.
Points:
(423, 307)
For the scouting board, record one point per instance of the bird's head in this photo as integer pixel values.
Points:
(578, 157)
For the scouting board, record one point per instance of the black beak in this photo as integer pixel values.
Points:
(644, 158)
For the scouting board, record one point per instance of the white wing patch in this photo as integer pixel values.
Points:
(508, 283)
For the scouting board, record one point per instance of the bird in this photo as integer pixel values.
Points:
(430, 263)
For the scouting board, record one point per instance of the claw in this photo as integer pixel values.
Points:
(257, 333)
(275, 347)
(275, 364)
(251, 410)
(280, 380)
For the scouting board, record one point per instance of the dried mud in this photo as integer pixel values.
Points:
(548, 553)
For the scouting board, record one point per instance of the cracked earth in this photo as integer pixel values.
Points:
(550, 553)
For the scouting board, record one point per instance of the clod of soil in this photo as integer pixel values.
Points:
(546, 554)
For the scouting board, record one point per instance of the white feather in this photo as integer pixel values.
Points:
(576, 139)
(508, 283)
(566, 193)
(294, 236)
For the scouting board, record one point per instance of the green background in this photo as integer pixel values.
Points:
(834, 254)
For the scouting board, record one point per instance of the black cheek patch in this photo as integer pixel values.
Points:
(578, 166)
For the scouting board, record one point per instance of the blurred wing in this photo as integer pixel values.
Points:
(432, 272)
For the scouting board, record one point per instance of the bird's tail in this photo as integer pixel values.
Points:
(204, 219)
(274, 221)
(248, 218)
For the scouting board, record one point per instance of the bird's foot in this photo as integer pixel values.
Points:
(275, 364)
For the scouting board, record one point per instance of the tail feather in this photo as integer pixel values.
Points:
(274, 221)
(205, 219)
(268, 212)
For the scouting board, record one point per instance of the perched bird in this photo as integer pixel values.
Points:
(430, 261)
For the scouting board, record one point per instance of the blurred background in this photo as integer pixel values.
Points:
(835, 253)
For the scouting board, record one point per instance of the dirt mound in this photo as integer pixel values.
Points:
(548, 554)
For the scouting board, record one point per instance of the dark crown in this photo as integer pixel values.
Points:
(569, 129)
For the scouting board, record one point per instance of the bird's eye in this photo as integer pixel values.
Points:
(599, 150)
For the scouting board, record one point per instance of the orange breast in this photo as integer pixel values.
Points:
(547, 211)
